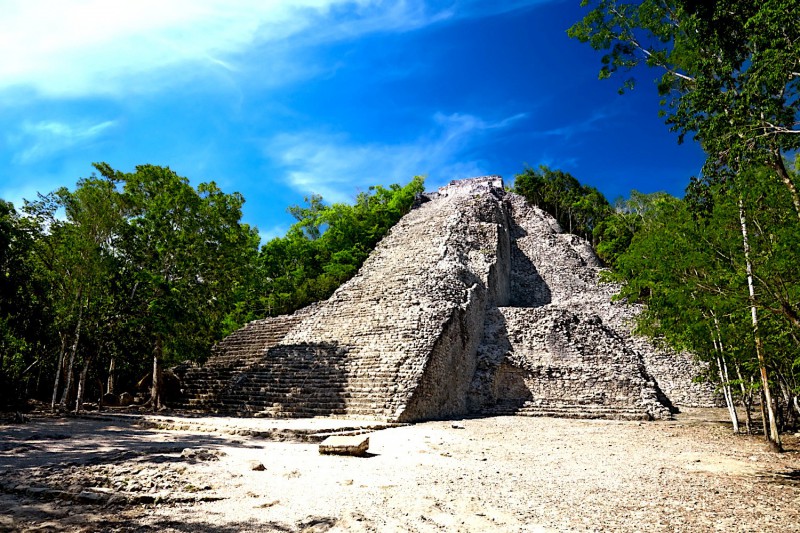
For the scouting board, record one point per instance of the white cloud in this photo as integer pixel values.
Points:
(331, 165)
(113, 47)
(101, 46)
(41, 139)
(589, 124)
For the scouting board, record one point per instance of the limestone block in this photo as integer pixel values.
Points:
(356, 445)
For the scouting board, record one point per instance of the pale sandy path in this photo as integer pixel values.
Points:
(495, 474)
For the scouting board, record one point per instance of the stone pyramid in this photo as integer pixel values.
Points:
(474, 303)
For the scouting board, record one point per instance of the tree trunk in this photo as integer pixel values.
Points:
(789, 398)
(774, 436)
(155, 396)
(786, 178)
(111, 377)
(39, 379)
(569, 215)
(100, 394)
(726, 392)
(58, 370)
(747, 399)
(764, 421)
(82, 385)
(73, 351)
(725, 382)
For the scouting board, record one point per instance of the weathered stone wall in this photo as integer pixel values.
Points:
(556, 358)
(205, 386)
(474, 302)
(568, 275)
(412, 319)
(408, 324)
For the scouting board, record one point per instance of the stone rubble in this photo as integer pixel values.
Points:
(474, 303)
(120, 481)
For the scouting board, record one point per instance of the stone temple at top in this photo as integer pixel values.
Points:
(475, 303)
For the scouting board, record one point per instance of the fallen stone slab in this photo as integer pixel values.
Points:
(356, 445)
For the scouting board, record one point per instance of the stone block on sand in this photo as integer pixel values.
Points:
(345, 445)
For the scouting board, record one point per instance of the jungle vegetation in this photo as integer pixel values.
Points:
(127, 273)
(718, 269)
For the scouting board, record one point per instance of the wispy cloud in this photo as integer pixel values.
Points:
(333, 166)
(480, 8)
(108, 47)
(592, 123)
(40, 139)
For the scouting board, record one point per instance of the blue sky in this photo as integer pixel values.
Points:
(279, 100)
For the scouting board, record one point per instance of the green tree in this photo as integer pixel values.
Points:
(730, 73)
(24, 310)
(614, 233)
(730, 78)
(184, 251)
(702, 288)
(324, 248)
(128, 268)
(78, 256)
(578, 208)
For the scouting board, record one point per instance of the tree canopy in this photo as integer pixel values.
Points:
(130, 272)
(692, 274)
(578, 208)
(730, 77)
(730, 73)
(125, 266)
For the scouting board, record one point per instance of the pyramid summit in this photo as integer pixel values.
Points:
(474, 303)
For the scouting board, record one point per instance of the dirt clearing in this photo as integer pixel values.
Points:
(491, 474)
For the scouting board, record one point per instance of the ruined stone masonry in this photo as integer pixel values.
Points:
(474, 303)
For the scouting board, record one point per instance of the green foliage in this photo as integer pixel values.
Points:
(614, 233)
(730, 78)
(325, 248)
(23, 310)
(124, 265)
(691, 273)
(578, 208)
(730, 74)
(135, 269)
(185, 251)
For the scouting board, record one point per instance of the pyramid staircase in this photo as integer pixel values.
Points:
(475, 303)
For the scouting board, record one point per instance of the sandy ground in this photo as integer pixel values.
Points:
(493, 474)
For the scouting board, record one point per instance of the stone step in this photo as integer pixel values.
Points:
(576, 410)
(609, 414)
(359, 352)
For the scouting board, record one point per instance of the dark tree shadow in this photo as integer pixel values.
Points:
(74, 441)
